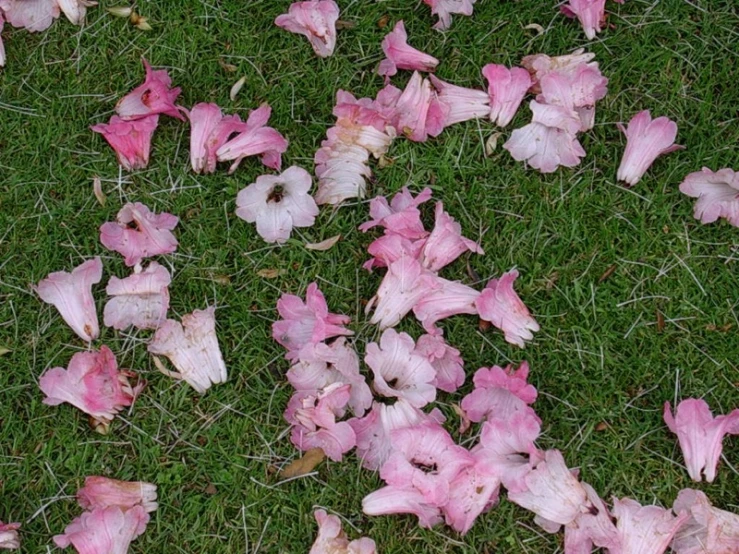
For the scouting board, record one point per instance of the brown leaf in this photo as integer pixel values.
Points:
(97, 189)
(660, 322)
(222, 279)
(383, 21)
(484, 325)
(270, 273)
(231, 68)
(602, 426)
(303, 465)
(607, 273)
(341, 24)
(464, 421)
(492, 143)
(324, 244)
(211, 489)
(385, 161)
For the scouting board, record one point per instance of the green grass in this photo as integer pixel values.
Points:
(600, 356)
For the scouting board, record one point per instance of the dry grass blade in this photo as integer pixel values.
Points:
(324, 244)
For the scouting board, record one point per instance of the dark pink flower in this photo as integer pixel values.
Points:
(646, 140)
(401, 216)
(131, 140)
(645, 529)
(104, 530)
(32, 15)
(332, 540)
(717, 194)
(400, 55)
(390, 248)
(708, 530)
(419, 113)
(445, 8)
(506, 89)
(462, 103)
(590, 13)
(141, 299)
(9, 539)
(102, 492)
(153, 96)
(315, 20)
(500, 305)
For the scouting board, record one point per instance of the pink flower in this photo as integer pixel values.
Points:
(400, 55)
(193, 349)
(390, 248)
(708, 530)
(277, 203)
(153, 96)
(341, 170)
(141, 299)
(646, 140)
(575, 91)
(541, 64)
(315, 20)
(500, 305)
(645, 529)
(204, 120)
(700, 435)
(551, 492)
(506, 89)
(102, 492)
(474, 490)
(71, 294)
(499, 393)
(446, 361)
(399, 371)
(104, 531)
(139, 233)
(462, 103)
(373, 430)
(131, 140)
(400, 500)
(306, 322)
(594, 527)
(93, 384)
(419, 114)
(445, 8)
(401, 216)
(590, 13)
(544, 148)
(446, 243)
(255, 139)
(33, 15)
(717, 194)
(75, 10)
(332, 540)
(448, 298)
(9, 539)
(2, 46)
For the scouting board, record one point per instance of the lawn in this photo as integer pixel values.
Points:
(638, 302)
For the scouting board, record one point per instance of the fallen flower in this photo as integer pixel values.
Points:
(400, 55)
(75, 10)
(590, 13)
(141, 299)
(544, 148)
(462, 103)
(445, 359)
(445, 8)
(448, 298)
(315, 20)
(576, 91)
(499, 393)
(539, 65)
(594, 527)
(139, 233)
(33, 15)
(717, 194)
(204, 120)
(71, 294)
(332, 540)
(506, 90)
(646, 140)
(192, 347)
(418, 112)
(402, 500)
(700, 435)
(401, 216)
(131, 140)
(2, 45)
(277, 203)
(645, 529)
(445, 243)
(91, 383)
(708, 530)
(474, 490)
(102, 492)
(104, 531)
(153, 96)
(9, 539)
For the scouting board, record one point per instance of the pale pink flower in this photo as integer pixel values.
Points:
(717, 194)
(551, 492)
(463, 103)
(590, 13)
(373, 430)
(539, 65)
(645, 529)
(448, 298)
(419, 114)
(445, 8)
(506, 89)
(131, 140)
(33, 15)
(700, 435)
(91, 383)
(594, 527)
(708, 530)
(390, 248)
(331, 538)
(102, 492)
(401, 216)
(104, 531)
(153, 96)
(446, 361)
(192, 347)
(499, 393)
(2, 45)
(646, 140)
(306, 322)
(9, 539)
(254, 139)
(139, 233)
(554, 116)
(71, 295)
(500, 305)
(204, 120)
(544, 148)
(401, 500)
(75, 10)
(400, 55)
(474, 490)
(141, 299)
(341, 170)
(277, 203)
(446, 243)
(315, 20)
(576, 92)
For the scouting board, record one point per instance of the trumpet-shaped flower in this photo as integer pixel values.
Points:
(32, 15)
(400, 55)
(104, 531)
(131, 140)
(446, 243)
(717, 194)
(708, 530)
(331, 538)
(446, 361)
(141, 299)
(539, 65)
(402, 500)
(645, 529)
(315, 20)
(462, 103)
(9, 539)
(544, 148)
(448, 298)
(499, 393)
(75, 10)
(102, 492)
(153, 96)
(401, 216)
(204, 120)
(594, 527)
(590, 13)
(474, 490)
(506, 89)
(71, 294)
(646, 140)
(419, 114)
(445, 8)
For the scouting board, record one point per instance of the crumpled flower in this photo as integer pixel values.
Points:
(401, 216)
(398, 500)
(506, 90)
(575, 91)
(474, 490)
(448, 298)
(91, 383)
(708, 530)
(399, 370)
(418, 112)
(646, 140)
(500, 305)
(306, 322)
(445, 8)
(462, 103)
(141, 299)
(700, 435)
(131, 140)
(400, 55)
(590, 13)
(315, 20)
(445, 243)
(75, 10)
(594, 527)
(331, 538)
(445, 359)
(717, 194)
(539, 65)
(499, 393)
(192, 347)
(33, 15)
(544, 148)
(645, 529)
(9, 539)
(205, 119)
(103, 492)
(277, 203)
(104, 531)
(139, 233)
(153, 96)
(71, 294)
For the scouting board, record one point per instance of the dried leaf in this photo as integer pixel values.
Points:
(383, 21)
(231, 68)
(385, 161)
(236, 88)
(97, 188)
(4, 351)
(270, 273)
(472, 273)
(324, 244)
(492, 143)
(464, 423)
(139, 22)
(211, 489)
(222, 279)
(607, 273)
(341, 24)
(602, 426)
(536, 27)
(303, 465)
(660, 322)
(120, 11)
(483, 325)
